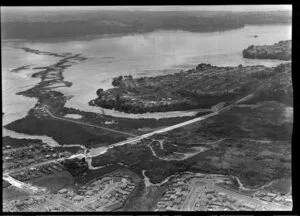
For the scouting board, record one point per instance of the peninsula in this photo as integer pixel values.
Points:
(205, 87)
(279, 51)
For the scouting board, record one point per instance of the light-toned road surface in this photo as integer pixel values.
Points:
(22, 185)
(67, 204)
(146, 136)
(201, 118)
(183, 156)
(161, 143)
(192, 196)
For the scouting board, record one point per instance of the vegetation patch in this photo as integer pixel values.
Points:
(15, 143)
(205, 87)
(55, 182)
(62, 131)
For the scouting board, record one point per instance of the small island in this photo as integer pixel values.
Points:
(205, 88)
(279, 51)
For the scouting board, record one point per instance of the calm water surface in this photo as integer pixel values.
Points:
(147, 54)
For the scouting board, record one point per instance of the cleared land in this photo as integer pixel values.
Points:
(54, 182)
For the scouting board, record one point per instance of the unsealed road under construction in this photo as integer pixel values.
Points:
(146, 136)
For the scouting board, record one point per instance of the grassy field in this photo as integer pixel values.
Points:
(12, 193)
(55, 182)
(281, 185)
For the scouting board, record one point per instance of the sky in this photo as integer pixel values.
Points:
(172, 8)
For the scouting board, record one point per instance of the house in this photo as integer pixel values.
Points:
(78, 198)
(125, 192)
(168, 203)
(88, 193)
(176, 202)
(165, 199)
(51, 169)
(249, 205)
(173, 196)
(117, 179)
(185, 188)
(266, 198)
(179, 194)
(95, 190)
(160, 204)
(210, 191)
(221, 194)
(278, 199)
(176, 206)
(128, 190)
(231, 200)
(58, 168)
(169, 208)
(202, 203)
(113, 193)
(93, 206)
(271, 194)
(63, 191)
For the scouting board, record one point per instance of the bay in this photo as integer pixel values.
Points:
(147, 54)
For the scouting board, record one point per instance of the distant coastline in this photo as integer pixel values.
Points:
(89, 37)
(36, 26)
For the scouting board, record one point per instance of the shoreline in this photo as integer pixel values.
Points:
(57, 101)
(138, 97)
(153, 115)
(46, 139)
(112, 35)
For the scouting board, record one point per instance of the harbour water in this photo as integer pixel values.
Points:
(146, 54)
